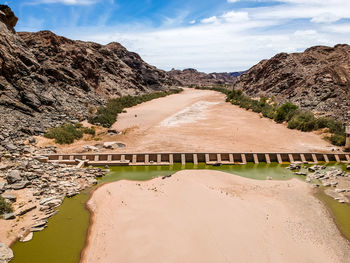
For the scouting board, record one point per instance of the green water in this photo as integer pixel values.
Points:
(340, 212)
(65, 237)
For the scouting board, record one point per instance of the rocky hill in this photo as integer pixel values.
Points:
(188, 77)
(46, 79)
(317, 79)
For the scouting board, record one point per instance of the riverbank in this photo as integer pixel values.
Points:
(211, 216)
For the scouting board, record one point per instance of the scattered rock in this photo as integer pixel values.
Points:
(20, 185)
(27, 237)
(9, 216)
(6, 254)
(25, 210)
(9, 197)
(14, 176)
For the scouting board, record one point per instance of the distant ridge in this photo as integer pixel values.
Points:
(192, 77)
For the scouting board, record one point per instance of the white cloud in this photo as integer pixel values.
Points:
(208, 20)
(235, 17)
(232, 1)
(325, 18)
(233, 40)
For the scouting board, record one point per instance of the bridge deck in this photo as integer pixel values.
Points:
(136, 159)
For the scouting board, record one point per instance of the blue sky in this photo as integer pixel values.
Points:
(210, 35)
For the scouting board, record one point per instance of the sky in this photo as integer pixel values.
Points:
(209, 35)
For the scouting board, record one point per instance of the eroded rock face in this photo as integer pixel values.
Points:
(8, 17)
(46, 80)
(317, 79)
(189, 77)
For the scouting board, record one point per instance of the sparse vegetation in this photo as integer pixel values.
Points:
(288, 112)
(107, 115)
(67, 133)
(5, 207)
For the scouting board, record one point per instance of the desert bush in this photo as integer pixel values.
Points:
(285, 112)
(67, 133)
(338, 139)
(5, 207)
(303, 120)
(90, 131)
(333, 125)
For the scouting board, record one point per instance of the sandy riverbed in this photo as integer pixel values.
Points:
(201, 120)
(211, 216)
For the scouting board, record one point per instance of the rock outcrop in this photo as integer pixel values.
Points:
(192, 77)
(46, 79)
(317, 79)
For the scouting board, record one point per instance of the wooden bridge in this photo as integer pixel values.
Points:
(134, 159)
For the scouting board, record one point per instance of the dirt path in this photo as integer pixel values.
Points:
(211, 216)
(201, 120)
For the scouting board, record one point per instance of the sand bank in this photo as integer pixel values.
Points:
(211, 216)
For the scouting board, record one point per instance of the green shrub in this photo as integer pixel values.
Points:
(90, 131)
(107, 115)
(5, 207)
(333, 125)
(67, 133)
(338, 139)
(285, 112)
(303, 120)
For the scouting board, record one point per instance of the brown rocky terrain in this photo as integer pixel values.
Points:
(192, 77)
(46, 79)
(317, 79)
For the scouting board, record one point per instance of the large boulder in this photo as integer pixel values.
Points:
(6, 253)
(14, 177)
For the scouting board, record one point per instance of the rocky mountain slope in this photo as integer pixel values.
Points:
(188, 77)
(317, 79)
(46, 79)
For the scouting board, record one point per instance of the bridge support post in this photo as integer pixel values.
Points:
(244, 159)
(159, 158)
(302, 157)
(314, 158)
(183, 159)
(207, 158)
(146, 159)
(291, 159)
(195, 159)
(279, 158)
(267, 158)
(325, 157)
(218, 158)
(134, 159)
(256, 159)
(230, 156)
(337, 158)
(171, 159)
